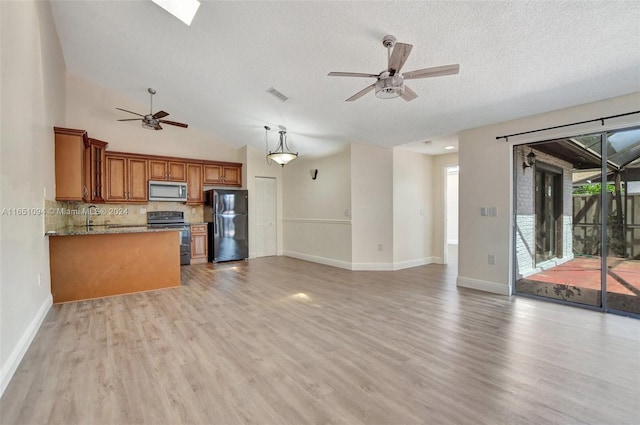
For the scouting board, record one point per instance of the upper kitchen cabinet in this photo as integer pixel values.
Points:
(126, 178)
(70, 164)
(195, 194)
(167, 170)
(223, 174)
(94, 163)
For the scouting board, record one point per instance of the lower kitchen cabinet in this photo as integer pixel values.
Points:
(199, 244)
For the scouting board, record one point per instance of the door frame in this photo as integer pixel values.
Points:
(445, 207)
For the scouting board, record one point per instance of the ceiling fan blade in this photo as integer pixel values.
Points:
(178, 124)
(160, 114)
(436, 71)
(398, 57)
(352, 74)
(360, 93)
(157, 127)
(133, 119)
(134, 113)
(408, 94)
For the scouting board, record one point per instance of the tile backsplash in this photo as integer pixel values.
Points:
(55, 217)
(75, 213)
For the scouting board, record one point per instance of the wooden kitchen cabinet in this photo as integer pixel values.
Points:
(126, 179)
(94, 175)
(199, 244)
(167, 170)
(70, 164)
(222, 174)
(195, 195)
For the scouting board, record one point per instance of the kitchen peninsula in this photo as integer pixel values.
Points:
(99, 261)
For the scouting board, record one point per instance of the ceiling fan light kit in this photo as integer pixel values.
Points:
(390, 87)
(152, 121)
(390, 83)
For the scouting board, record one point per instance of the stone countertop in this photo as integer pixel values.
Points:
(104, 230)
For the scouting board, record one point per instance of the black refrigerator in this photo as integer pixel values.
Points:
(226, 212)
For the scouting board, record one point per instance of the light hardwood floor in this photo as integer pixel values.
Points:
(282, 341)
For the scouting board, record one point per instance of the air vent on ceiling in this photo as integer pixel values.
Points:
(277, 94)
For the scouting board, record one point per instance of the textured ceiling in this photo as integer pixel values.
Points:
(517, 58)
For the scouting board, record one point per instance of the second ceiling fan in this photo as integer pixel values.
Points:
(152, 121)
(390, 83)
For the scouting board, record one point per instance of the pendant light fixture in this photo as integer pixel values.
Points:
(281, 155)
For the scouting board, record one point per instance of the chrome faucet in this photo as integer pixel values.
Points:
(89, 222)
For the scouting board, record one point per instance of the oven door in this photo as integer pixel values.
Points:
(184, 233)
(185, 245)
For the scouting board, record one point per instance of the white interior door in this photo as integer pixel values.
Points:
(266, 214)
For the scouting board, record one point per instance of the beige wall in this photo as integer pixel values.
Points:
(412, 208)
(32, 102)
(440, 163)
(92, 107)
(372, 207)
(486, 172)
(419, 207)
(316, 213)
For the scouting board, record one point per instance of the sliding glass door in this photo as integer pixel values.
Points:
(572, 197)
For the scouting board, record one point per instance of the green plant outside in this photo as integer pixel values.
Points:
(593, 189)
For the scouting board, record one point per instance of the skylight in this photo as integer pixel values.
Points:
(184, 10)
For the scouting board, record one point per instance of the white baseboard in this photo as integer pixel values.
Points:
(10, 367)
(415, 263)
(374, 267)
(483, 285)
(364, 266)
(321, 260)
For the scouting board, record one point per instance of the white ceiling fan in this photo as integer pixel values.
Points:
(390, 83)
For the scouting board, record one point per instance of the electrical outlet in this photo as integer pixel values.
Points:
(143, 210)
(380, 247)
(492, 259)
(39, 279)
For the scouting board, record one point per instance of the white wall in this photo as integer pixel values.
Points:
(316, 215)
(372, 207)
(33, 97)
(412, 209)
(486, 175)
(91, 107)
